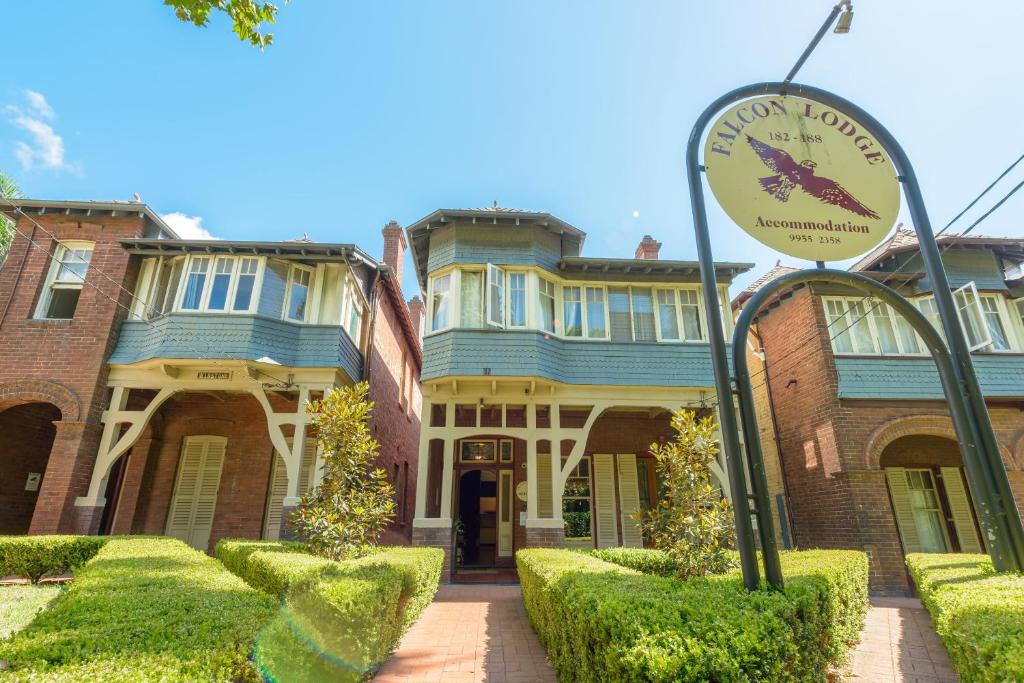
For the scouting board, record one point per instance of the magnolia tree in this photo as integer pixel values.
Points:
(343, 516)
(692, 522)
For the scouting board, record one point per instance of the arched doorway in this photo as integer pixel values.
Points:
(929, 494)
(26, 437)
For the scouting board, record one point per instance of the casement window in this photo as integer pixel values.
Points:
(64, 280)
(245, 284)
(195, 283)
(1018, 310)
(576, 502)
(583, 312)
(870, 327)
(972, 316)
(165, 286)
(211, 283)
(517, 299)
(993, 318)
(471, 298)
(354, 324)
(620, 320)
(440, 302)
(299, 283)
(546, 304)
(643, 314)
(679, 317)
(495, 296)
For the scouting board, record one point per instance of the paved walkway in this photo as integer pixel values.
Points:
(477, 633)
(899, 643)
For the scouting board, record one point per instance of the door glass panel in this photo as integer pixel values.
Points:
(928, 518)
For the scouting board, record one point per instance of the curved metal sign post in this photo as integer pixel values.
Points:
(986, 473)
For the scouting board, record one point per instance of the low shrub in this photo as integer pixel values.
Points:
(32, 557)
(269, 566)
(601, 621)
(144, 609)
(646, 560)
(978, 613)
(421, 574)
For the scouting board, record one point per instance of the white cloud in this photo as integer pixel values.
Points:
(39, 104)
(44, 147)
(187, 227)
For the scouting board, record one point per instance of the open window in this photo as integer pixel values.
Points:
(64, 280)
(440, 302)
(495, 296)
(972, 316)
(300, 280)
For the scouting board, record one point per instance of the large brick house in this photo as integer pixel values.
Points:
(547, 375)
(867, 447)
(155, 385)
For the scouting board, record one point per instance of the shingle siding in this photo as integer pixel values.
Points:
(1001, 376)
(468, 243)
(534, 354)
(962, 266)
(234, 336)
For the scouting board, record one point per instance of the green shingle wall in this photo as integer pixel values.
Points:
(1001, 376)
(498, 244)
(534, 354)
(962, 266)
(248, 337)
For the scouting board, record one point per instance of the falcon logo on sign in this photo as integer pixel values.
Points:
(803, 179)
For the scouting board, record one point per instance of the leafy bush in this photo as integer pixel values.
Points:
(691, 521)
(646, 560)
(978, 613)
(35, 556)
(270, 566)
(600, 621)
(341, 622)
(144, 609)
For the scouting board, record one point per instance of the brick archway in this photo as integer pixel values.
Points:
(915, 425)
(29, 391)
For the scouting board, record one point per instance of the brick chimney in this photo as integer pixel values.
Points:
(394, 248)
(416, 313)
(648, 249)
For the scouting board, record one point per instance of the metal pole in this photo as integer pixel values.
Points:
(814, 42)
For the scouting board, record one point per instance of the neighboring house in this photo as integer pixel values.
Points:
(546, 377)
(868, 449)
(166, 393)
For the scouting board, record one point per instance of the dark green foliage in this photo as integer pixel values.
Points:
(600, 621)
(978, 613)
(144, 609)
(646, 560)
(32, 557)
(270, 566)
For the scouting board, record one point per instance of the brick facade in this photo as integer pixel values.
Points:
(831, 449)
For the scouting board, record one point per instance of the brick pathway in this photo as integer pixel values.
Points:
(477, 633)
(899, 643)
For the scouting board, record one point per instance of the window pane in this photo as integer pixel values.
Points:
(195, 284)
(355, 321)
(246, 282)
(496, 292)
(298, 294)
(63, 303)
(595, 313)
(994, 323)
(880, 314)
(691, 315)
(618, 314)
(572, 312)
(909, 340)
(667, 314)
(931, 312)
(643, 315)
(967, 303)
(517, 299)
(73, 264)
(546, 299)
(842, 340)
(472, 300)
(221, 282)
(861, 329)
(439, 303)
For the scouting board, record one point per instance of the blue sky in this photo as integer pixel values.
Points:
(362, 112)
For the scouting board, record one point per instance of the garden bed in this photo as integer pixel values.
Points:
(978, 613)
(602, 621)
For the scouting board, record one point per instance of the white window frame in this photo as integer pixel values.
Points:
(870, 312)
(508, 299)
(292, 268)
(204, 296)
(1002, 314)
(1017, 315)
(451, 297)
(584, 334)
(494, 281)
(678, 310)
(53, 283)
(541, 283)
(974, 307)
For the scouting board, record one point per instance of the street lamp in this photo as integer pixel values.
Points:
(846, 18)
(844, 10)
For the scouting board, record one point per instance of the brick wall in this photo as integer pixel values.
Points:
(64, 358)
(26, 435)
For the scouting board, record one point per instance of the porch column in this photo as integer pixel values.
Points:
(67, 476)
(557, 485)
(422, 467)
(135, 468)
(446, 480)
(294, 466)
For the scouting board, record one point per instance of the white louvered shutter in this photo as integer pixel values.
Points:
(206, 500)
(604, 504)
(960, 506)
(900, 492)
(179, 518)
(629, 501)
(195, 492)
(276, 492)
(545, 500)
(308, 463)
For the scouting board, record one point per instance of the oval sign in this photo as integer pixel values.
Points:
(802, 178)
(521, 491)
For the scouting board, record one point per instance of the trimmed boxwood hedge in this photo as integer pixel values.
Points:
(144, 609)
(601, 621)
(32, 557)
(339, 620)
(978, 613)
(646, 560)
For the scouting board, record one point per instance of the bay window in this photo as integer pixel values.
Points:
(299, 282)
(195, 283)
(214, 284)
(440, 302)
(64, 280)
(471, 301)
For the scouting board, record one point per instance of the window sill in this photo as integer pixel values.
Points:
(48, 322)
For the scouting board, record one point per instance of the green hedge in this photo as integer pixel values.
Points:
(144, 609)
(646, 560)
(601, 621)
(270, 566)
(32, 557)
(339, 620)
(978, 613)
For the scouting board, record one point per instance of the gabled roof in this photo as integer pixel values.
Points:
(778, 270)
(904, 240)
(87, 208)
